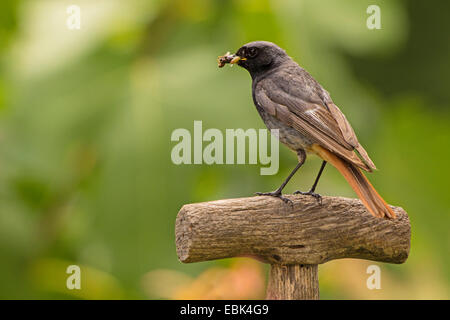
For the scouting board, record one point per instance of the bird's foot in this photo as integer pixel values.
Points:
(276, 194)
(310, 193)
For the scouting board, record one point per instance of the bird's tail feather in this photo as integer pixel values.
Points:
(359, 183)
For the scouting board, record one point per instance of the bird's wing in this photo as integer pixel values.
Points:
(310, 117)
(348, 133)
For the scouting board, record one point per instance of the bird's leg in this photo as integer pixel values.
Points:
(277, 193)
(313, 188)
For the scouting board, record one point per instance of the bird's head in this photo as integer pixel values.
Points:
(259, 56)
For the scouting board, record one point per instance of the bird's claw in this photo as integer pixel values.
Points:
(310, 193)
(275, 194)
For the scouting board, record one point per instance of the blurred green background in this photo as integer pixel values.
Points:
(86, 116)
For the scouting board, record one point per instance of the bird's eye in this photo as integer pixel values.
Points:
(252, 52)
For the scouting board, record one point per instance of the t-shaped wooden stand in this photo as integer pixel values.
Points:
(294, 239)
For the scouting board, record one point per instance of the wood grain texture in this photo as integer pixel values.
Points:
(305, 232)
(293, 282)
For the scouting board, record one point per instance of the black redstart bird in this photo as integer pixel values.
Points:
(289, 99)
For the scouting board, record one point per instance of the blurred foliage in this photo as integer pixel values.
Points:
(242, 279)
(86, 117)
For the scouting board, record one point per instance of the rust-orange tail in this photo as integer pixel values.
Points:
(360, 184)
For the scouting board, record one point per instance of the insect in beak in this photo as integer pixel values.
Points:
(236, 59)
(229, 58)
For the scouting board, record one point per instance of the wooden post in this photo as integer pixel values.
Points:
(293, 282)
(294, 239)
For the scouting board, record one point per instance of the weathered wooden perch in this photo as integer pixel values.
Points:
(294, 239)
